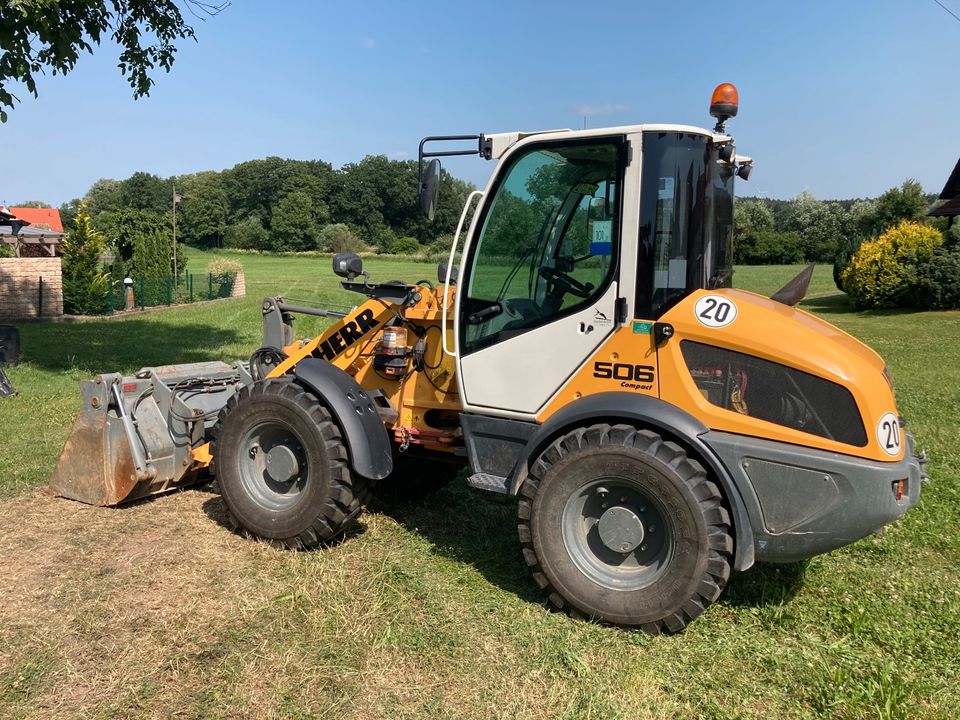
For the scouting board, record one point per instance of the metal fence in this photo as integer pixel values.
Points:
(167, 290)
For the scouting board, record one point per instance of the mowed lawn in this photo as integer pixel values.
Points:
(158, 610)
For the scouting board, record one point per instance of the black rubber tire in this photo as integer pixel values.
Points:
(696, 571)
(332, 497)
(415, 477)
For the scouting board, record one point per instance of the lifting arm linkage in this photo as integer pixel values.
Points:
(343, 342)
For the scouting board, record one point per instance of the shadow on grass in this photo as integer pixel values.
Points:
(836, 303)
(121, 346)
(480, 529)
(839, 304)
(215, 509)
(470, 526)
(765, 584)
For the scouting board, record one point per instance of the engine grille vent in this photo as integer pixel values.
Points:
(776, 393)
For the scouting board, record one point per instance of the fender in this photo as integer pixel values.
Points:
(363, 431)
(653, 413)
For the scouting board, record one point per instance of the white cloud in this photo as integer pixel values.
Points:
(602, 109)
(368, 43)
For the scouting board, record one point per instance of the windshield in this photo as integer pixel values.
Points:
(686, 220)
(546, 245)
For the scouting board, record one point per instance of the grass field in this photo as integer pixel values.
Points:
(158, 610)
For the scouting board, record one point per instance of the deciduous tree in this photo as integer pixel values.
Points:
(48, 35)
(293, 225)
(202, 214)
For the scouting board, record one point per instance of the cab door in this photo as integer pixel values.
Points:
(538, 293)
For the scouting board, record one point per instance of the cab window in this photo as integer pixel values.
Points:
(547, 241)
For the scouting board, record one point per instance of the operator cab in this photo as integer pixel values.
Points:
(577, 233)
(546, 240)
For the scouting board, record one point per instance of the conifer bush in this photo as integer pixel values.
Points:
(85, 285)
(338, 238)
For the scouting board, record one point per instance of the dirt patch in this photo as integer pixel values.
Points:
(115, 602)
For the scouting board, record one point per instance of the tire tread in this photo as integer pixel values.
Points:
(706, 492)
(347, 494)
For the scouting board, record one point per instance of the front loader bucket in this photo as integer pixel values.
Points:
(135, 436)
(96, 465)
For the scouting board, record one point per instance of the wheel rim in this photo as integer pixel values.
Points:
(273, 465)
(617, 533)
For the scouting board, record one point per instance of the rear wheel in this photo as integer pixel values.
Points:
(621, 526)
(281, 465)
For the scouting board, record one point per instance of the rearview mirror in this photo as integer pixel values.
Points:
(429, 189)
(347, 265)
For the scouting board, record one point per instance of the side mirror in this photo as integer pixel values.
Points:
(429, 189)
(347, 265)
(442, 274)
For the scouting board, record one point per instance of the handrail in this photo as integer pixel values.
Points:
(446, 285)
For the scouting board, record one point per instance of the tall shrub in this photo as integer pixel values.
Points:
(84, 283)
(846, 247)
(248, 234)
(879, 272)
(936, 282)
(293, 226)
(143, 243)
(340, 238)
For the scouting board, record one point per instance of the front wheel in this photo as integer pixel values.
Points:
(623, 527)
(281, 465)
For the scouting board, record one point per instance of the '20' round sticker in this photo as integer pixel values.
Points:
(715, 311)
(889, 434)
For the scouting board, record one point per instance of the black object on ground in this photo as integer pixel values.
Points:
(9, 345)
(6, 389)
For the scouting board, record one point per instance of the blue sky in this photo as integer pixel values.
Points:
(843, 98)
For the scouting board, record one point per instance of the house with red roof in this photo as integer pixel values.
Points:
(40, 218)
(33, 232)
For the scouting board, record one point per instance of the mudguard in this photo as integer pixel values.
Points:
(363, 431)
(655, 414)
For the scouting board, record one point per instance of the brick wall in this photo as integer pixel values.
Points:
(20, 288)
(239, 286)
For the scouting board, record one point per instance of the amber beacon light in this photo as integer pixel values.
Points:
(724, 103)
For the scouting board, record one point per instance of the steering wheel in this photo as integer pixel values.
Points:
(565, 283)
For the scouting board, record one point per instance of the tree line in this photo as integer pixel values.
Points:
(804, 229)
(276, 204)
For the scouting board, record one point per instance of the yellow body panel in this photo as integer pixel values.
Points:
(762, 328)
(351, 344)
(428, 403)
(626, 362)
(788, 336)
(202, 457)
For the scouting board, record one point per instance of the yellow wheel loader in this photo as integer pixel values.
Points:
(659, 428)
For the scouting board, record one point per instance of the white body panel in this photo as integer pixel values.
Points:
(521, 374)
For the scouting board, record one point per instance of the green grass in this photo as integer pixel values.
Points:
(429, 612)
